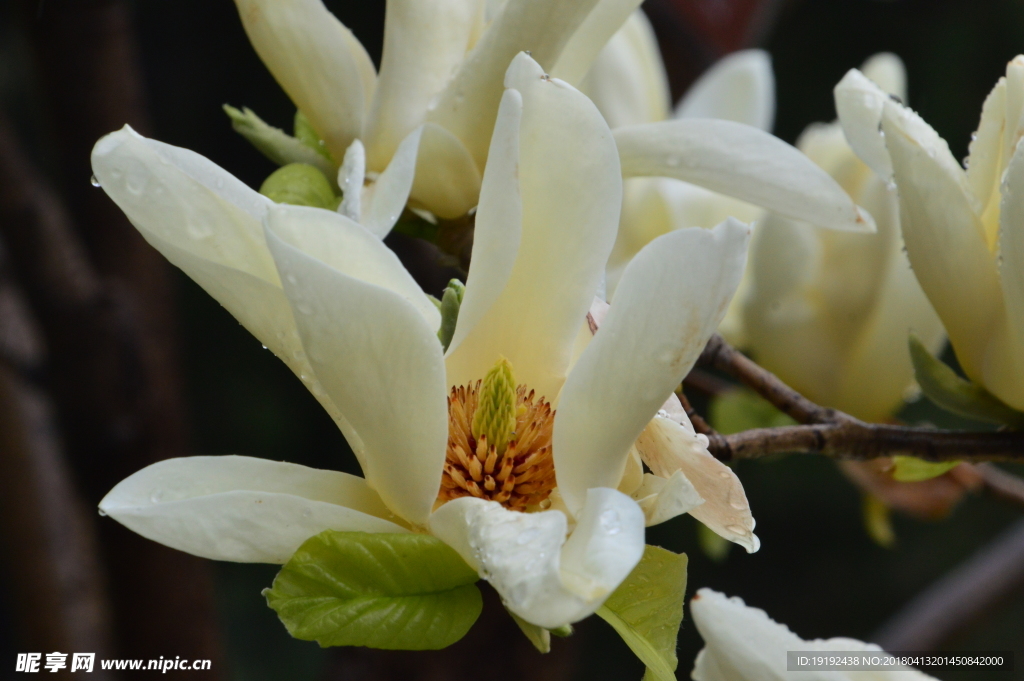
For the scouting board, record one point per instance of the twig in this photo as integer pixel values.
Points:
(707, 383)
(959, 598)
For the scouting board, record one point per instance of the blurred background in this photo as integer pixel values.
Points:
(110, 359)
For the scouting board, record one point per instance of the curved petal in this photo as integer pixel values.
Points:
(668, 447)
(738, 87)
(627, 81)
(886, 70)
(669, 302)
(983, 161)
(944, 238)
(570, 186)
(243, 509)
(340, 243)
(859, 104)
(743, 162)
(385, 199)
(447, 181)
(604, 21)
(542, 577)
(1006, 378)
(469, 103)
(316, 60)
(381, 364)
(424, 42)
(665, 498)
(744, 644)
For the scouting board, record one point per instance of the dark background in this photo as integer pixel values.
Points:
(817, 570)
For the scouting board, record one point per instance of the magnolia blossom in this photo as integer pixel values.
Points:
(629, 86)
(830, 312)
(744, 644)
(964, 230)
(553, 512)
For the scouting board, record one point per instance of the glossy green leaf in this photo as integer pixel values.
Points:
(305, 133)
(274, 143)
(958, 395)
(300, 184)
(912, 469)
(647, 609)
(737, 410)
(391, 591)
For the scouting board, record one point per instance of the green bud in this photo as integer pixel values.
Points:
(955, 394)
(451, 301)
(274, 143)
(495, 416)
(305, 133)
(563, 631)
(300, 184)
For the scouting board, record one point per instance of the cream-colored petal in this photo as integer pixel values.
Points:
(385, 199)
(984, 159)
(859, 104)
(424, 43)
(570, 185)
(665, 498)
(340, 243)
(316, 60)
(469, 103)
(179, 197)
(743, 162)
(351, 178)
(668, 446)
(886, 70)
(603, 22)
(738, 87)
(627, 81)
(742, 643)
(1006, 378)
(381, 364)
(944, 238)
(243, 509)
(447, 181)
(669, 302)
(541, 576)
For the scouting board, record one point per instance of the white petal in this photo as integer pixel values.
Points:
(740, 161)
(859, 104)
(945, 240)
(243, 509)
(886, 70)
(352, 250)
(627, 81)
(385, 199)
(447, 181)
(570, 185)
(381, 364)
(607, 17)
(351, 177)
(669, 302)
(469, 103)
(665, 498)
(542, 577)
(1010, 385)
(738, 87)
(744, 644)
(667, 446)
(424, 42)
(984, 161)
(317, 61)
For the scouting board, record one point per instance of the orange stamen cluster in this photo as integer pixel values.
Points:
(519, 475)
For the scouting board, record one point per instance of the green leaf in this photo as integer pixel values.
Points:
(274, 143)
(714, 546)
(737, 410)
(960, 396)
(647, 610)
(912, 469)
(415, 226)
(305, 133)
(300, 184)
(391, 591)
(451, 301)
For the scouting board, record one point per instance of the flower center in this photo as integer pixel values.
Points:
(499, 443)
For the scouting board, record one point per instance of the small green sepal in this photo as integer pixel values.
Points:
(960, 396)
(389, 591)
(451, 301)
(305, 133)
(647, 609)
(300, 184)
(274, 143)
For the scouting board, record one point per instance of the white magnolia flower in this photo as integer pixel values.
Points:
(335, 304)
(964, 230)
(629, 86)
(830, 312)
(744, 644)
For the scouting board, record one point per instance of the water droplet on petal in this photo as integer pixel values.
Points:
(94, 182)
(610, 522)
(736, 529)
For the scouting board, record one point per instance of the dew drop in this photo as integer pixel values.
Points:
(94, 182)
(103, 513)
(724, 475)
(672, 161)
(610, 521)
(307, 512)
(156, 497)
(736, 529)
(738, 506)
